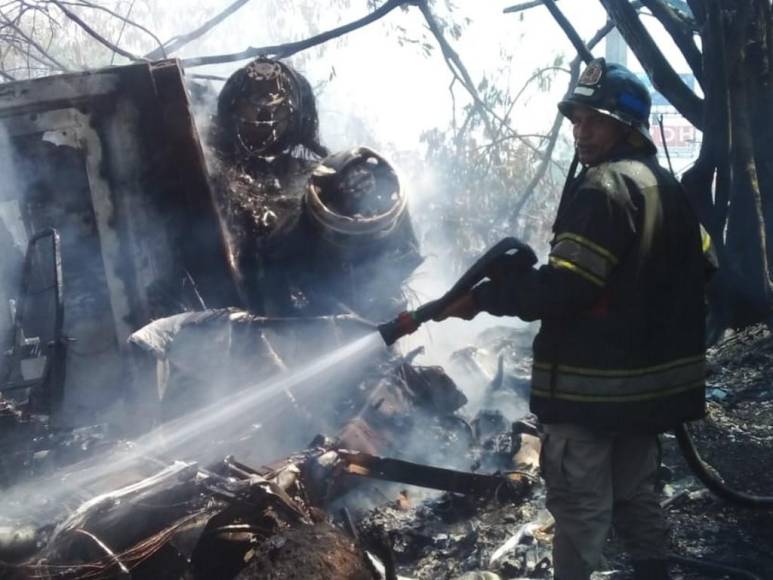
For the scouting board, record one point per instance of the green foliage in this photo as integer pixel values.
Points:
(479, 177)
(475, 188)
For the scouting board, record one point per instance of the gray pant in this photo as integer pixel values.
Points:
(595, 480)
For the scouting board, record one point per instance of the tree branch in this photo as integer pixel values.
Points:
(574, 75)
(32, 42)
(698, 10)
(23, 48)
(569, 30)
(680, 32)
(93, 33)
(290, 48)
(457, 68)
(663, 76)
(180, 41)
(522, 7)
(124, 19)
(123, 27)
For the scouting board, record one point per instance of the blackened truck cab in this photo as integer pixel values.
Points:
(110, 220)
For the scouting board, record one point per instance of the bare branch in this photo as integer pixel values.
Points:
(180, 41)
(6, 76)
(557, 122)
(457, 68)
(681, 32)
(502, 125)
(698, 8)
(32, 42)
(123, 27)
(569, 30)
(210, 77)
(290, 48)
(23, 48)
(663, 76)
(93, 33)
(562, 21)
(523, 7)
(124, 19)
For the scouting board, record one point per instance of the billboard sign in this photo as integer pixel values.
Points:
(681, 138)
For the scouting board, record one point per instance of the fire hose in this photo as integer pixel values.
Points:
(506, 255)
(511, 254)
(711, 479)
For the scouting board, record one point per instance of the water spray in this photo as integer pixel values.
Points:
(508, 255)
(37, 502)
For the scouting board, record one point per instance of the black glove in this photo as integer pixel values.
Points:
(509, 263)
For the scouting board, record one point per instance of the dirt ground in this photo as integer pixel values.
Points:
(736, 440)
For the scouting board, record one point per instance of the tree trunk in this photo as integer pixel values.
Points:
(746, 235)
(732, 180)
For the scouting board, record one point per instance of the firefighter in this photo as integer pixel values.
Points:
(620, 354)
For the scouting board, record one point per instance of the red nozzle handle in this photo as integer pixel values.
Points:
(404, 324)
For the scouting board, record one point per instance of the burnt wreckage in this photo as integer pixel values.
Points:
(169, 310)
(130, 264)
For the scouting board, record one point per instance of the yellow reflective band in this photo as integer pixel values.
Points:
(582, 257)
(622, 372)
(601, 251)
(559, 263)
(633, 397)
(600, 383)
(705, 240)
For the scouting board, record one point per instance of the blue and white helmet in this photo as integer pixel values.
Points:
(613, 90)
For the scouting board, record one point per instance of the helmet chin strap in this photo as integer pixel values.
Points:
(634, 139)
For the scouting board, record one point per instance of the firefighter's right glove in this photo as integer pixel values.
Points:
(464, 307)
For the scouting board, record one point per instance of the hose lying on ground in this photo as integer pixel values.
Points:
(704, 472)
(713, 568)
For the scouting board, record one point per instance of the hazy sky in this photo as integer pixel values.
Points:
(391, 93)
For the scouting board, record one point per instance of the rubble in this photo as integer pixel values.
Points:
(256, 518)
(269, 442)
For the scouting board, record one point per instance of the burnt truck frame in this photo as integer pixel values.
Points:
(112, 163)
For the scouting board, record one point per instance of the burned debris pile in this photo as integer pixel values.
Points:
(194, 385)
(172, 519)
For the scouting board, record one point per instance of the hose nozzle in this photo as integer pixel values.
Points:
(395, 329)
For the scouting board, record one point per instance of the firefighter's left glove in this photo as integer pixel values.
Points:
(464, 307)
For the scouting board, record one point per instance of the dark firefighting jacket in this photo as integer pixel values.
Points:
(621, 300)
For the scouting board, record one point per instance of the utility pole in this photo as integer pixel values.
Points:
(616, 49)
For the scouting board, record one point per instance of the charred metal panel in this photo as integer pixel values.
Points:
(112, 160)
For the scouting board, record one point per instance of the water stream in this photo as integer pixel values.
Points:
(37, 501)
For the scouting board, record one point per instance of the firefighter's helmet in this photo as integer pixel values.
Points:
(267, 108)
(613, 90)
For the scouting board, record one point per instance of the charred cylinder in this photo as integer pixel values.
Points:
(352, 247)
(354, 198)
